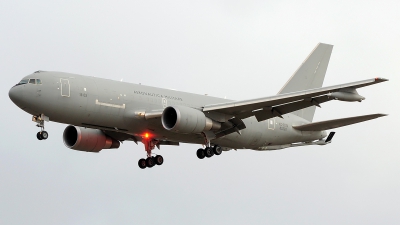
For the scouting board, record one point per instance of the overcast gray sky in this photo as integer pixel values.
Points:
(237, 49)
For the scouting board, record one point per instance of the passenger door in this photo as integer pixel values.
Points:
(65, 87)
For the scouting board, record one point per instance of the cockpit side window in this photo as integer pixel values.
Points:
(38, 81)
(32, 81)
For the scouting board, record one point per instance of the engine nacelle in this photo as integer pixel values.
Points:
(347, 95)
(182, 119)
(88, 140)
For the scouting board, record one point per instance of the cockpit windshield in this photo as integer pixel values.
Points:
(30, 81)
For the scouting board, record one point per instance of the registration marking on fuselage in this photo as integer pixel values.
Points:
(110, 105)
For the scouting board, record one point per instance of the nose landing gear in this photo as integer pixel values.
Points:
(42, 134)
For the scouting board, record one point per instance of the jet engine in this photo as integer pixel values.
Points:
(182, 119)
(88, 140)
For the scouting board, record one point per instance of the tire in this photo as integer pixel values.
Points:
(44, 135)
(150, 162)
(142, 163)
(39, 136)
(200, 153)
(217, 149)
(159, 160)
(208, 152)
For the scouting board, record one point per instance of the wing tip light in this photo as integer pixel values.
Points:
(380, 79)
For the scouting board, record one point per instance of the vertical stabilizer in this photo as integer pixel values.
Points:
(309, 75)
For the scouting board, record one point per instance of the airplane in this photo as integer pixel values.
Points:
(103, 113)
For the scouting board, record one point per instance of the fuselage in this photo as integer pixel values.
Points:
(112, 105)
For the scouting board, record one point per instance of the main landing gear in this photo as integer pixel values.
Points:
(42, 134)
(209, 152)
(150, 161)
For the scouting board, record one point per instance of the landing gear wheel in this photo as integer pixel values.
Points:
(142, 163)
(150, 162)
(159, 160)
(39, 119)
(44, 135)
(39, 136)
(212, 152)
(208, 152)
(200, 153)
(217, 149)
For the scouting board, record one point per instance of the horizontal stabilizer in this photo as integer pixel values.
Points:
(330, 124)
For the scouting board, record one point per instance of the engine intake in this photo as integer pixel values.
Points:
(88, 140)
(182, 119)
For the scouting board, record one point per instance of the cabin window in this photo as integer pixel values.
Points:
(32, 81)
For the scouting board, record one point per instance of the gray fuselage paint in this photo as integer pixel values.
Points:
(114, 104)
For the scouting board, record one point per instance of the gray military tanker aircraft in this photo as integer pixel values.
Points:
(103, 113)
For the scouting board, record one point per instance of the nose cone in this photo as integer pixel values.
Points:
(15, 95)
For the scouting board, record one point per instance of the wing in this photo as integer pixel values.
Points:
(278, 105)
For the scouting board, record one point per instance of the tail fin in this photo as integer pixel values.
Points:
(309, 75)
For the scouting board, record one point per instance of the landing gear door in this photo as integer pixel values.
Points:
(65, 88)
